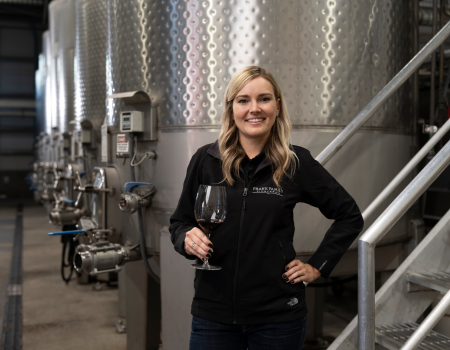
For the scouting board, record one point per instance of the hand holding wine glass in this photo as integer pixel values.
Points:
(198, 244)
(210, 210)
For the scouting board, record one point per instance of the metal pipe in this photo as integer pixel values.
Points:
(142, 244)
(416, 73)
(406, 170)
(382, 96)
(433, 66)
(441, 54)
(368, 241)
(366, 295)
(428, 324)
(425, 17)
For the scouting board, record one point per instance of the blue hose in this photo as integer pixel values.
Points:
(65, 233)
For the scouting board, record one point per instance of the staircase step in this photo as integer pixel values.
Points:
(437, 281)
(393, 337)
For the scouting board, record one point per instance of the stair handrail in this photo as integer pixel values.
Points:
(368, 241)
(428, 324)
(407, 169)
(383, 96)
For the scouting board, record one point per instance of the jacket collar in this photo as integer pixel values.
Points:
(214, 151)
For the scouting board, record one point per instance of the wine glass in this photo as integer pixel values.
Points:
(210, 211)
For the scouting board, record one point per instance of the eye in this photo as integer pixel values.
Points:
(241, 101)
(265, 99)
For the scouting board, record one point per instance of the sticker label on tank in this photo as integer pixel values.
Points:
(122, 144)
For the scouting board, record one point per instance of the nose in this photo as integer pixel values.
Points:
(254, 107)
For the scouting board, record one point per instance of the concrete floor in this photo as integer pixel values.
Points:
(57, 316)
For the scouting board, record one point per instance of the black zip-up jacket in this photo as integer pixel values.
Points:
(255, 242)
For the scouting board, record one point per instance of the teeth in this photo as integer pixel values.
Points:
(255, 120)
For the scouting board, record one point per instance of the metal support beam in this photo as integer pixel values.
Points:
(17, 103)
(429, 281)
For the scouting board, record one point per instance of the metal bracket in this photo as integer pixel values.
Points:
(120, 326)
(94, 272)
(138, 98)
(131, 97)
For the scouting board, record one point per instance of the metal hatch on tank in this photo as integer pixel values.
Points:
(69, 206)
(104, 204)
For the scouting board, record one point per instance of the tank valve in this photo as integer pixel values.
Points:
(90, 188)
(103, 257)
(66, 213)
(137, 195)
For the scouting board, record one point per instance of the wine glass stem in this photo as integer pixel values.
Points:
(206, 263)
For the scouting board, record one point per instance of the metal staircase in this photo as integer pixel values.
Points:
(408, 293)
(395, 336)
(386, 318)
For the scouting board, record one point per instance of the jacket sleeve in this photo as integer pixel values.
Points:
(321, 190)
(183, 219)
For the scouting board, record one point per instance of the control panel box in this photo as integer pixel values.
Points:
(83, 136)
(132, 121)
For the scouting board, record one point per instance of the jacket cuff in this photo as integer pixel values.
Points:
(179, 245)
(324, 266)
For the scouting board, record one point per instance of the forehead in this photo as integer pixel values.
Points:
(257, 86)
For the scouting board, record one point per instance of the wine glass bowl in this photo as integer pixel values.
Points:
(210, 211)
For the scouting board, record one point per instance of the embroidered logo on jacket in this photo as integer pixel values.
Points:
(268, 190)
(293, 302)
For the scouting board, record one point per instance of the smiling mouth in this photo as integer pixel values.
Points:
(255, 120)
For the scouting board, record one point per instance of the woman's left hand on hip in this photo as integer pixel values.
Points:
(297, 272)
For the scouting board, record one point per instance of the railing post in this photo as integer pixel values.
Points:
(366, 296)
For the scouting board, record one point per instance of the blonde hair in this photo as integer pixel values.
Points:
(282, 159)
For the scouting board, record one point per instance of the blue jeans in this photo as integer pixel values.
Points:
(209, 335)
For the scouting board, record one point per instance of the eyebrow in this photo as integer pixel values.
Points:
(264, 94)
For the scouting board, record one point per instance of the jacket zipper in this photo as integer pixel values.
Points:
(241, 227)
(282, 250)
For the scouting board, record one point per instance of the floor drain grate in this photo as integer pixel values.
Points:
(12, 322)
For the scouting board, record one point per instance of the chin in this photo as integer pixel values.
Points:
(257, 133)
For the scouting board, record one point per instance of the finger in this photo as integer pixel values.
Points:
(202, 238)
(290, 265)
(190, 250)
(300, 266)
(200, 249)
(297, 280)
(297, 274)
(293, 263)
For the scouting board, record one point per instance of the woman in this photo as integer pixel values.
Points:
(257, 300)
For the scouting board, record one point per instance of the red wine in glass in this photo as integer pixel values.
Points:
(210, 211)
(209, 225)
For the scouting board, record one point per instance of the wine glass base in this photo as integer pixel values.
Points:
(210, 267)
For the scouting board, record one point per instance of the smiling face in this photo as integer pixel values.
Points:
(255, 109)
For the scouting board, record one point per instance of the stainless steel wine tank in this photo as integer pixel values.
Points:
(330, 58)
